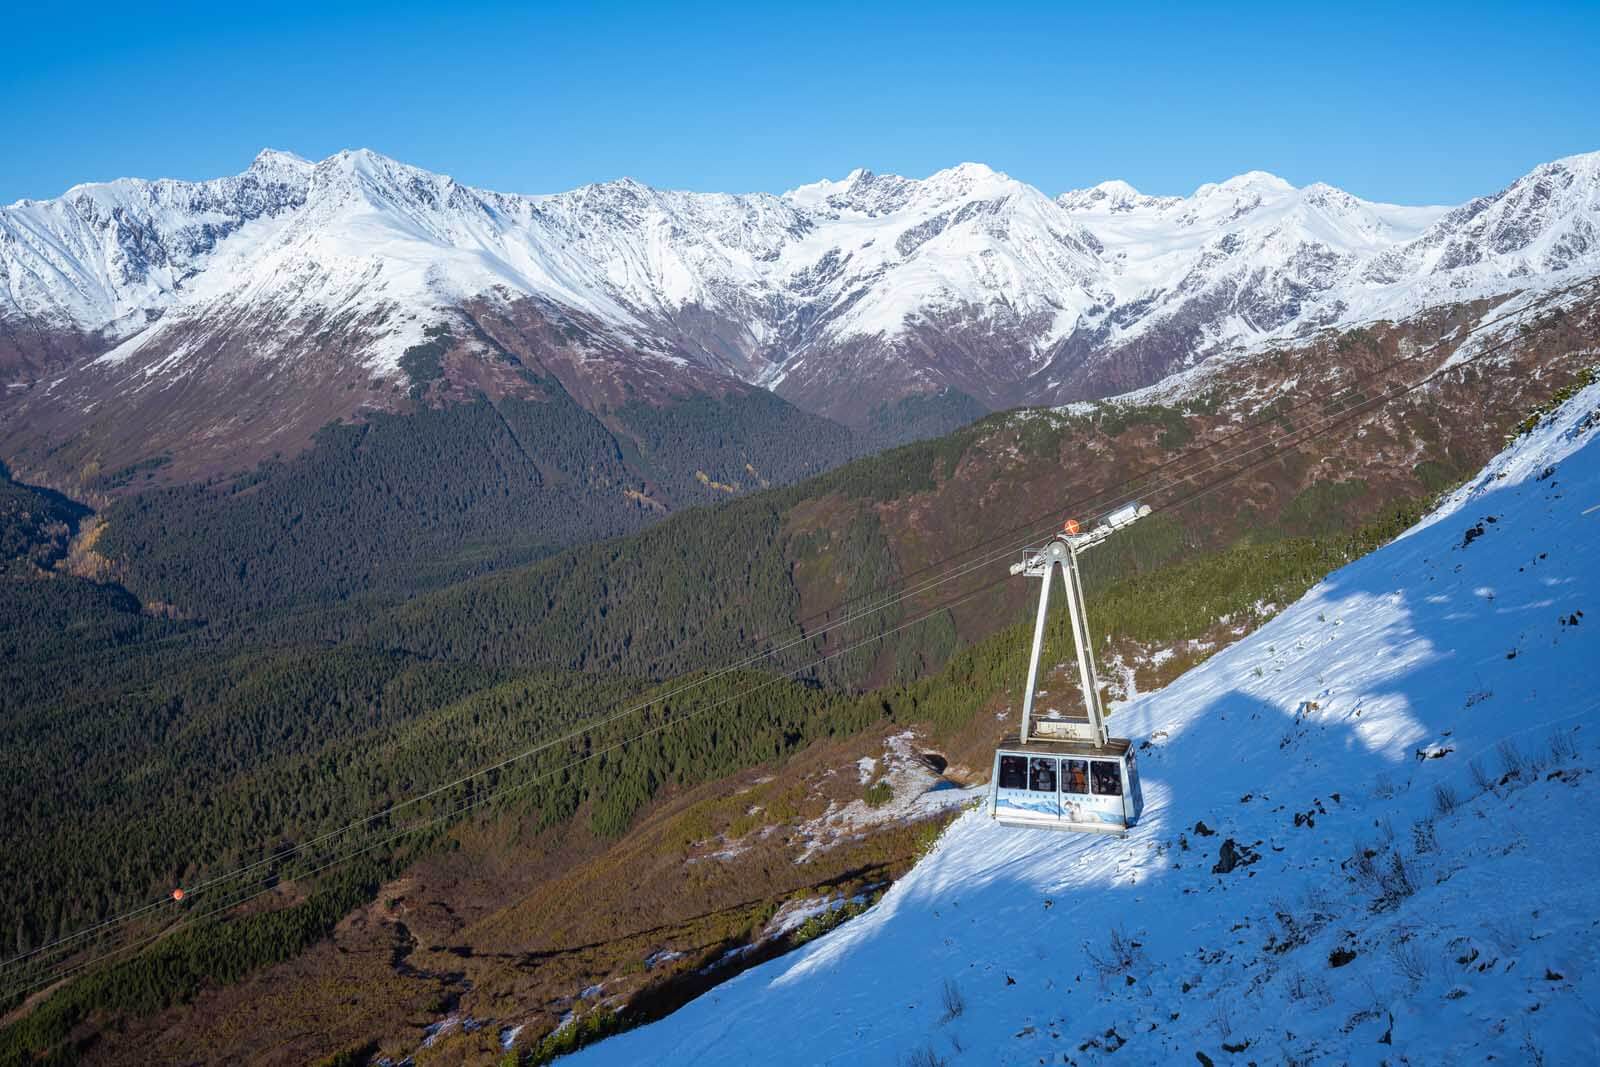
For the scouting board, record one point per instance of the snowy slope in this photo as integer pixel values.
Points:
(1408, 753)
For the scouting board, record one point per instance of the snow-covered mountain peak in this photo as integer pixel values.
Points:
(623, 200)
(1566, 190)
(380, 180)
(1251, 181)
(1111, 197)
(815, 195)
(968, 244)
(1245, 196)
(1117, 189)
(865, 193)
(1377, 223)
(273, 164)
(964, 178)
(1584, 166)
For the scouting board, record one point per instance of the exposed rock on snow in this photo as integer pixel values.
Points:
(916, 791)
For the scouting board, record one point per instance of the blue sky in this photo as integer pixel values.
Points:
(1432, 104)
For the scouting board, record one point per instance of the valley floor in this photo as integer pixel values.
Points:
(1369, 837)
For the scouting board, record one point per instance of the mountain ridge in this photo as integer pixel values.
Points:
(295, 290)
(714, 240)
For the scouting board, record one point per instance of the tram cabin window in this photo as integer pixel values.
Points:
(1042, 775)
(1013, 772)
(1075, 776)
(1107, 778)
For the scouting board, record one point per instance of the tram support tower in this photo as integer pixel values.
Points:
(1065, 773)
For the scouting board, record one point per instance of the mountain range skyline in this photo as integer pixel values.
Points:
(513, 97)
(360, 283)
(1111, 184)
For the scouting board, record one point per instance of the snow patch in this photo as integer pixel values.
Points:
(916, 792)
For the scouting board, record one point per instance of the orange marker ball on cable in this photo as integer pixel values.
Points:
(1072, 527)
(177, 894)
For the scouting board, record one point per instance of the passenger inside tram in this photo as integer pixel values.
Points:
(1013, 772)
(1043, 775)
(1077, 776)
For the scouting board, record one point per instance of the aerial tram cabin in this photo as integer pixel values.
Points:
(1067, 774)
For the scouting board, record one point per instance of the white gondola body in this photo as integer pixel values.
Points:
(1066, 786)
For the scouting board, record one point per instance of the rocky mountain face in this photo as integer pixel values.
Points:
(238, 316)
